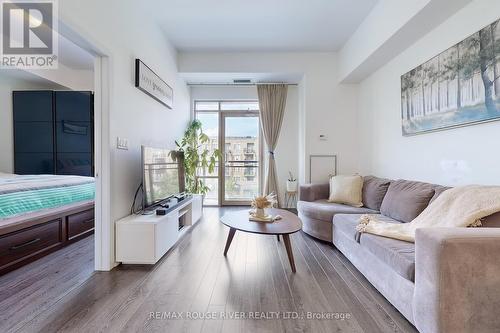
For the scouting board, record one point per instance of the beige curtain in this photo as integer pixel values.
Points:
(272, 101)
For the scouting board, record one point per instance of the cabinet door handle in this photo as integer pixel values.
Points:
(33, 241)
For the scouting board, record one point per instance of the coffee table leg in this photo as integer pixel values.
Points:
(278, 237)
(288, 246)
(229, 240)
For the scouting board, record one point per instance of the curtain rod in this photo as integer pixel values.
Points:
(239, 84)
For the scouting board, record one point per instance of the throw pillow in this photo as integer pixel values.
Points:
(405, 199)
(374, 190)
(492, 221)
(438, 190)
(346, 190)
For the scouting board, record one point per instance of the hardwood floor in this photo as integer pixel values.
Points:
(61, 293)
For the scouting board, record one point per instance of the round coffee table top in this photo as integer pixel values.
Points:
(289, 223)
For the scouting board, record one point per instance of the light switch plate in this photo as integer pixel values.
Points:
(121, 143)
(323, 137)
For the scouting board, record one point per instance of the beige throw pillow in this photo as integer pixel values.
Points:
(347, 190)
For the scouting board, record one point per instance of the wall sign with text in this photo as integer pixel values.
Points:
(150, 83)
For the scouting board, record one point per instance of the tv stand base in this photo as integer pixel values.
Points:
(144, 239)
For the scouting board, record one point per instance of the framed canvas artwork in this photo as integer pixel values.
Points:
(458, 87)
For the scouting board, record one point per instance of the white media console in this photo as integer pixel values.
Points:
(144, 239)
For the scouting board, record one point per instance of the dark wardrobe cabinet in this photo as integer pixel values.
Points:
(53, 132)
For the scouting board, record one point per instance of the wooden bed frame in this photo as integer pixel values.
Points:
(30, 237)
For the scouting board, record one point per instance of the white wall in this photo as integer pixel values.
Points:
(222, 92)
(325, 106)
(390, 28)
(287, 158)
(126, 31)
(458, 156)
(8, 83)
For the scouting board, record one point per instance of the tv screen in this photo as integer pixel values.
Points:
(163, 174)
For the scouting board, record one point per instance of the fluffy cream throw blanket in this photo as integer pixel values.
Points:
(463, 206)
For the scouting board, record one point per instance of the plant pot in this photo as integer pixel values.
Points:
(202, 198)
(291, 186)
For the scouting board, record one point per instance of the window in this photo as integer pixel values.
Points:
(244, 106)
(204, 106)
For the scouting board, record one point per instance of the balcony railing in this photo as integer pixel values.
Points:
(240, 180)
(249, 151)
(242, 164)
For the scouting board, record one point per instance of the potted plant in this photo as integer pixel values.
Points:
(196, 157)
(291, 183)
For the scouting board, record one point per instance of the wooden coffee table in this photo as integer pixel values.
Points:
(289, 224)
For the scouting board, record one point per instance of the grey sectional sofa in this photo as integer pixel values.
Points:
(447, 281)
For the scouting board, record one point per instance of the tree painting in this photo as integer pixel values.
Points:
(459, 86)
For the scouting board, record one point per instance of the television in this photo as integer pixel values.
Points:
(162, 174)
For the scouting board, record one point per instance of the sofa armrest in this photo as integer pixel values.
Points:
(457, 280)
(313, 192)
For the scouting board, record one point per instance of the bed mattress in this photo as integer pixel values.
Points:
(24, 194)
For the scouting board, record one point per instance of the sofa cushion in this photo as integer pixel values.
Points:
(346, 224)
(374, 190)
(324, 210)
(405, 199)
(346, 190)
(492, 221)
(397, 254)
(438, 190)
(311, 192)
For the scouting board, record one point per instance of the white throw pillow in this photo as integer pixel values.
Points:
(347, 190)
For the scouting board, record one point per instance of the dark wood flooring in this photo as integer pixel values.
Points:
(62, 293)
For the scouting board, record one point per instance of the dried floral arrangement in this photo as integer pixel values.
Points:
(265, 201)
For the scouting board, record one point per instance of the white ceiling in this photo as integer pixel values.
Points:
(70, 56)
(40, 82)
(260, 25)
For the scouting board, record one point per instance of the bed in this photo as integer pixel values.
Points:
(42, 213)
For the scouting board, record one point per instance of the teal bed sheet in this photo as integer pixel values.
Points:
(54, 192)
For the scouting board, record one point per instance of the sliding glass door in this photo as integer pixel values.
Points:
(241, 154)
(234, 128)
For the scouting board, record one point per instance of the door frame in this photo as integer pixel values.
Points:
(104, 254)
(222, 164)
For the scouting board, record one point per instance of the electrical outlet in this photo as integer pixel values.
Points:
(121, 143)
(323, 137)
